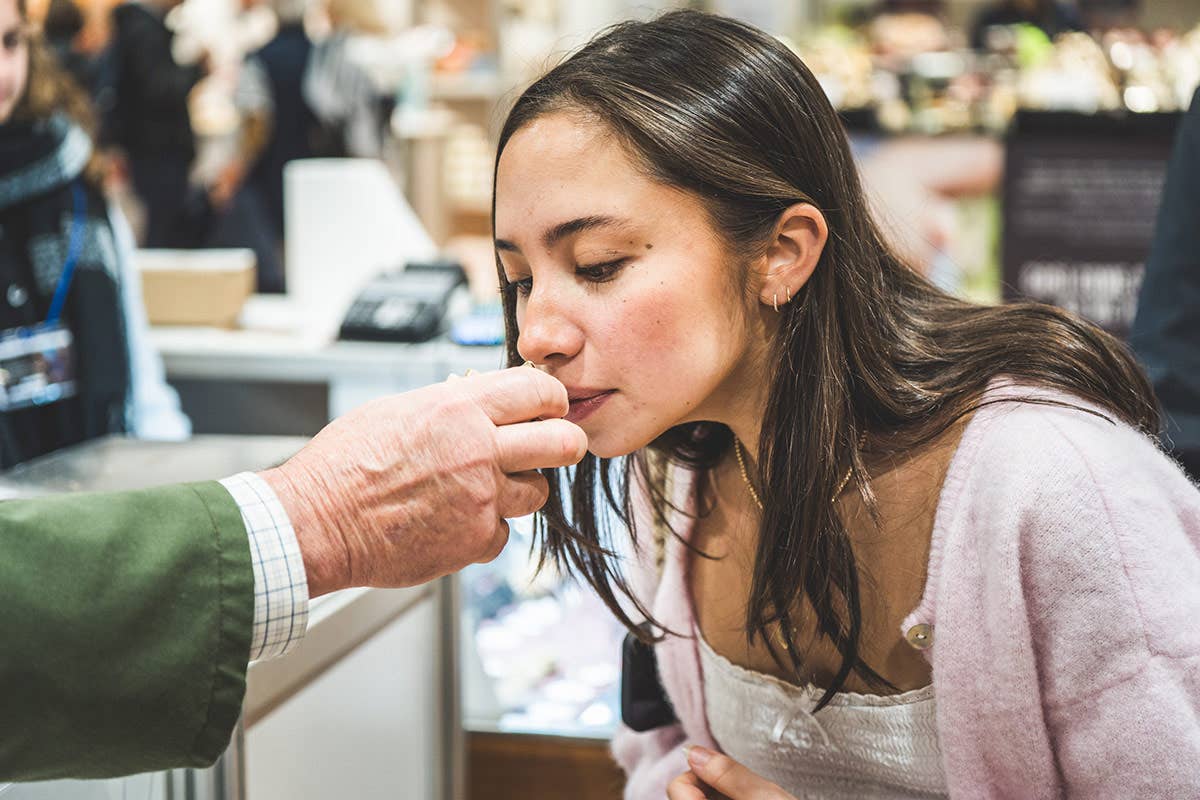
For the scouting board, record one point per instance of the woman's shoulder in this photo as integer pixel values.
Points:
(1028, 438)
(1084, 518)
(1056, 486)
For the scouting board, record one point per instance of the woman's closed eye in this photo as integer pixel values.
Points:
(602, 272)
(593, 273)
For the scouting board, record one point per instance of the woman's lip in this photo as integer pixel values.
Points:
(583, 406)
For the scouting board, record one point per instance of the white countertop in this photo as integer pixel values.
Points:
(274, 344)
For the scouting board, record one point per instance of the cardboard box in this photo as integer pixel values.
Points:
(196, 287)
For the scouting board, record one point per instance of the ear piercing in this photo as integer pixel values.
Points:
(775, 298)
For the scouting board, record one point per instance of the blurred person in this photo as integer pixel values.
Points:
(71, 295)
(1166, 329)
(296, 99)
(240, 218)
(278, 124)
(151, 121)
(885, 542)
(338, 89)
(1051, 16)
(61, 28)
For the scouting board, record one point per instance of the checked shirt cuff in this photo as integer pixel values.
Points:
(280, 584)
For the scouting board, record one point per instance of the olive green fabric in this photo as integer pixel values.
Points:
(125, 628)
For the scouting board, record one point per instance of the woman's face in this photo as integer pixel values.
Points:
(14, 58)
(624, 290)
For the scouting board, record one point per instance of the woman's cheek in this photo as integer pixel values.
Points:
(666, 303)
(652, 325)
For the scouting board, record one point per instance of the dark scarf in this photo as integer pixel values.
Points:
(40, 162)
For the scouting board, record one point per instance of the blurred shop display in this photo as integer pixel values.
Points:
(1080, 198)
(449, 105)
(907, 73)
(540, 656)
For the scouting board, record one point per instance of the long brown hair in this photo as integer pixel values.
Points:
(867, 351)
(49, 89)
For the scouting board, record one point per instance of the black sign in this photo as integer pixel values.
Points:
(1081, 193)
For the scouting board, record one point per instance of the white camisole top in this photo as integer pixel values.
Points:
(859, 746)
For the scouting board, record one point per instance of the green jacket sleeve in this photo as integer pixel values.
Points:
(124, 631)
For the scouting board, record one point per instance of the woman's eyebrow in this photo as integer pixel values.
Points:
(564, 229)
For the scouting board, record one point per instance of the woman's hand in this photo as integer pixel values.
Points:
(716, 777)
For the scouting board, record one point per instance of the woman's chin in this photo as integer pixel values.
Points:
(601, 451)
(613, 444)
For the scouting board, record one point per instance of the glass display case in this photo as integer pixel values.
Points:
(539, 654)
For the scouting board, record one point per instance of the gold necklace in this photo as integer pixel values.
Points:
(737, 451)
(741, 459)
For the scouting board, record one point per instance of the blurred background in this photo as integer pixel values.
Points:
(312, 226)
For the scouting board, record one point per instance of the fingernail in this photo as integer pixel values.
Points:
(698, 756)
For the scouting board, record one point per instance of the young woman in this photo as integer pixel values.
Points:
(74, 362)
(891, 544)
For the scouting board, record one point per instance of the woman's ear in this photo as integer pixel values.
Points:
(792, 254)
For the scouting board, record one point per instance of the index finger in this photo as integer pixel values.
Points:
(519, 394)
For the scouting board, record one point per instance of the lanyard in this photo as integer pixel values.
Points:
(73, 249)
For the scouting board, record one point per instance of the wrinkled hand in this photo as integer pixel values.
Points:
(714, 776)
(411, 487)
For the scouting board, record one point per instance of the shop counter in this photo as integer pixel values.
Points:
(275, 374)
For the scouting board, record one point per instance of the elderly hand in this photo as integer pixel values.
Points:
(718, 777)
(409, 488)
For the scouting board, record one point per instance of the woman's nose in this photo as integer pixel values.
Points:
(547, 331)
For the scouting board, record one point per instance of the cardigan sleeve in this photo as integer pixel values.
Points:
(651, 760)
(126, 631)
(1111, 573)
(1139, 737)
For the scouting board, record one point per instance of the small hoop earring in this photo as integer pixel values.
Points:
(788, 293)
(775, 301)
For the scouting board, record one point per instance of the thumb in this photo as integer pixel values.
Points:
(730, 778)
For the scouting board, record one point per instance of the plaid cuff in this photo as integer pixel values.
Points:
(280, 585)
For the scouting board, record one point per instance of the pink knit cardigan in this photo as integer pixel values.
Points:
(1063, 588)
